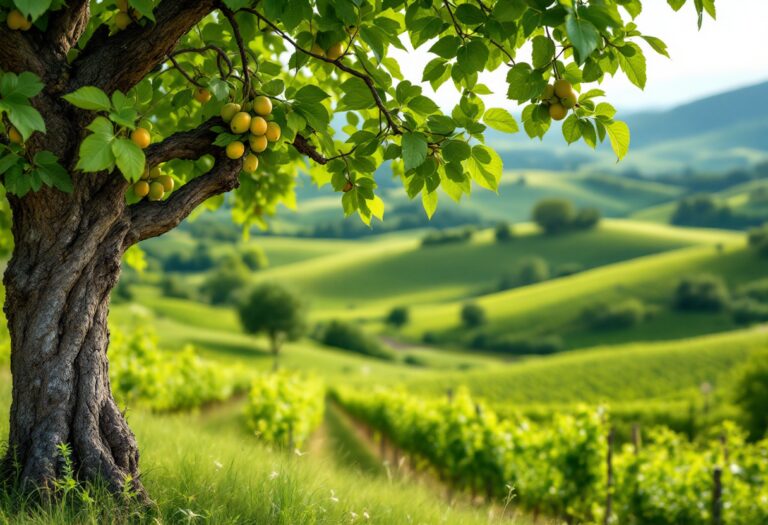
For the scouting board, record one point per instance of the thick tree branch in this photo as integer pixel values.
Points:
(151, 219)
(19, 52)
(67, 26)
(121, 61)
(191, 144)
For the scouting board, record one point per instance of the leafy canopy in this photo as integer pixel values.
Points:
(340, 97)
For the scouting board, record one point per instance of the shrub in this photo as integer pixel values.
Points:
(414, 360)
(229, 277)
(255, 258)
(757, 290)
(748, 311)
(586, 218)
(566, 269)
(752, 394)
(513, 345)
(625, 314)
(554, 215)
(758, 239)
(285, 409)
(398, 316)
(350, 337)
(199, 260)
(472, 315)
(437, 238)
(706, 293)
(173, 286)
(504, 232)
(533, 270)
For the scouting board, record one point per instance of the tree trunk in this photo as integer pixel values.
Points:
(66, 261)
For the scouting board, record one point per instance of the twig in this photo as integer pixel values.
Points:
(241, 46)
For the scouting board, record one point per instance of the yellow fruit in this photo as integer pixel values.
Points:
(17, 21)
(235, 150)
(229, 111)
(262, 105)
(347, 187)
(258, 143)
(156, 191)
(549, 92)
(273, 132)
(317, 50)
(141, 189)
(557, 111)
(258, 126)
(250, 163)
(122, 5)
(14, 136)
(569, 101)
(335, 52)
(122, 20)
(202, 95)
(141, 137)
(167, 182)
(240, 123)
(155, 173)
(145, 175)
(563, 88)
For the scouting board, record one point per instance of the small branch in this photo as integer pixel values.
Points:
(222, 56)
(152, 219)
(181, 70)
(456, 25)
(241, 46)
(393, 126)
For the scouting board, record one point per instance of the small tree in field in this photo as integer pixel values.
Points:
(274, 311)
(554, 215)
(398, 316)
(120, 118)
(472, 315)
(752, 394)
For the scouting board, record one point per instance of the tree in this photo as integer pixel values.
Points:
(554, 215)
(707, 293)
(274, 311)
(532, 271)
(503, 232)
(116, 125)
(398, 316)
(230, 276)
(472, 315)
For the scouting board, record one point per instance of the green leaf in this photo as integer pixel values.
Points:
(26, 84)
(22, 115)
(90, 98)
(129, 158)
(33, 8)
(485, 167)
(423, 105)
(414, 146)
(446, 47)
(472, 56)
(632, 63)
(356, 95)
(274, 87)
(311, 94)
(524, 83)
(618, 133)
(658, 45)
(144, 7)
(583, 35)
(501, 120)
(469, 14)
(9, 160)
(456, 150)
(51, 172)
(571, 129)
(96, 150)
(429, 201)
(543, 51)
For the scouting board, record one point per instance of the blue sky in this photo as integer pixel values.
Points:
(727, 53)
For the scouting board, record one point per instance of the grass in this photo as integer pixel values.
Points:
(202, 473)
(629, 372)
(398, 271)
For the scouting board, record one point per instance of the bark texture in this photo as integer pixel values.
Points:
(68, 248)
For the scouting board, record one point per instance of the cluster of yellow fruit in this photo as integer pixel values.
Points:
(18, 22)
(123, 18)
(560, 97)
(261, 131)
(334, 52)
(153, 184)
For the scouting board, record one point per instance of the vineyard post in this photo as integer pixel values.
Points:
(636, 438)
(724, 442)
(717, 497)
(609, 482)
